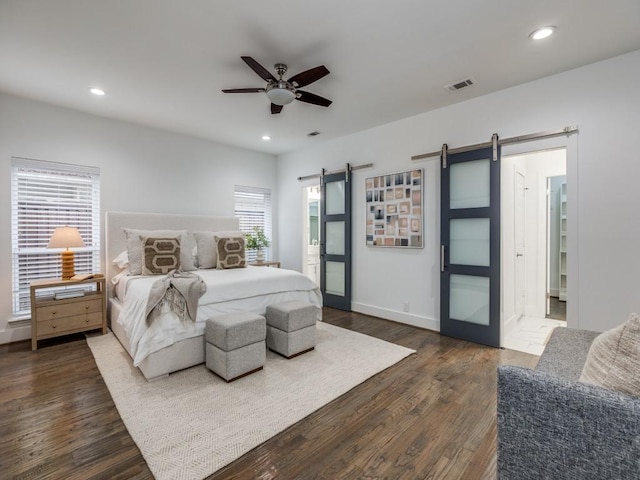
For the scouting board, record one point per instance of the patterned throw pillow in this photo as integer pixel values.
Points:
(230, 252)
(160, 255)
(614, 359)
(135, 253)
(205, 241)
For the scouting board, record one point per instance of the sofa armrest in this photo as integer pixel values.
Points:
(550, 428)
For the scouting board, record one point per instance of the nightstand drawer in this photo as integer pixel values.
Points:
(69, 309)
(60, 325)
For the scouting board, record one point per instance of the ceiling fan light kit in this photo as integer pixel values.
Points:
(281, 92)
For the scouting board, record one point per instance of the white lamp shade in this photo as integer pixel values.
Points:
(65, 237)
(280, 96)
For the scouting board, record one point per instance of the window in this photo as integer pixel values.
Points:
(253, 208)
(46, 195)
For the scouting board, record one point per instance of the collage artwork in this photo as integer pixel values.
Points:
(394, 209)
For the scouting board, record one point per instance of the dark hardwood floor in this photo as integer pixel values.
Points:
(431, 416)
(557, 309)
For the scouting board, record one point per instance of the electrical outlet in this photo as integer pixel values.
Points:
(405, 306)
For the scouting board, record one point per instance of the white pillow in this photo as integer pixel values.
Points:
(134, 247)
(116, 278)
(206, 246)
(122, 260)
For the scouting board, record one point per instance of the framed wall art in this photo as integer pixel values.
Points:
(394, 209)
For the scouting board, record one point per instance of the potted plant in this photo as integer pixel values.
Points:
(257, 241)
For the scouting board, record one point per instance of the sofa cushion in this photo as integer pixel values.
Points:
(614, 359)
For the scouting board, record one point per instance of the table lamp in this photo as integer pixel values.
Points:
(66, 237)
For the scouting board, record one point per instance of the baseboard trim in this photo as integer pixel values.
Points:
(15, 334)
(400, 317)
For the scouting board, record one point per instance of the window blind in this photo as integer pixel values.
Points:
(46, 195)
(253, 209)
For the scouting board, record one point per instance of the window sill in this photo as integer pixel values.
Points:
(19, 321)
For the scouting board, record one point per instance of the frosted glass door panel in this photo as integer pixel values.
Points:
(335, 238)
(469, 184)
(334, 278)
(334, 192)
(469, 241)
(469, 299)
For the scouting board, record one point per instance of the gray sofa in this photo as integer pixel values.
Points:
(550, 426)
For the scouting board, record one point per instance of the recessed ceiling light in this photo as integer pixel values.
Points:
(97, 91)
(542, 32)
(266, 137)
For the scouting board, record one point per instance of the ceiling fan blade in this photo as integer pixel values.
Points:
(259, 69)
(244, 90)
(303, 79)
(313, 98)
(276, 108)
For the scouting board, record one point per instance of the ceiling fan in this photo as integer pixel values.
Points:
(281, 92)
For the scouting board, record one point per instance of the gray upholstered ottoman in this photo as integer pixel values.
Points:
(291, 328)
(235, 344)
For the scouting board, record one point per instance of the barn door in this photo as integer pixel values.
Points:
(335, 246)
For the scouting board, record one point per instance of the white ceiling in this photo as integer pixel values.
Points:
(164, 62)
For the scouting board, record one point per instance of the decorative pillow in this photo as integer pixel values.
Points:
(160, 255)
(230, 252)
(121, 261)
(134, 247)
(206, 246)
(613, 361)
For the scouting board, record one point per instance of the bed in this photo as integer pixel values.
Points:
(168, 344)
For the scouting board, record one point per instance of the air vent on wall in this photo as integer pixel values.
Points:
(454, 87)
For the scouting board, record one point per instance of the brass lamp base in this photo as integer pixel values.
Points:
(68, 270)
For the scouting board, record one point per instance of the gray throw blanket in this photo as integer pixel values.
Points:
(180, 291)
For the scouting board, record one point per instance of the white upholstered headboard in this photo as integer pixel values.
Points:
(115, 241)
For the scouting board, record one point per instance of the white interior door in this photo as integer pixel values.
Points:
(519, 224)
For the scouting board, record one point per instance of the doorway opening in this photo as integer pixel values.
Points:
(534, 247)
(311, 229)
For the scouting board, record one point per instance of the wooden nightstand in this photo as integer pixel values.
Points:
(265, 264)
(52, 318)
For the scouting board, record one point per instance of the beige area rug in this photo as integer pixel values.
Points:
(192, 423)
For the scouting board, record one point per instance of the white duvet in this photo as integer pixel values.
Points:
(241, 289)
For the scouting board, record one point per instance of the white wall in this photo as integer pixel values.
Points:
(141, 169)
(602, 99)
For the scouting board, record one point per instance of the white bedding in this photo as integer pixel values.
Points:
(249, 289)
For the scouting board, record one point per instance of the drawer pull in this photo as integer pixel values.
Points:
(53, 312)
(54, 325)
(87, 320)
(86, 307)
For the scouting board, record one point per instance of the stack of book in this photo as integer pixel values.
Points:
(69, 293)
